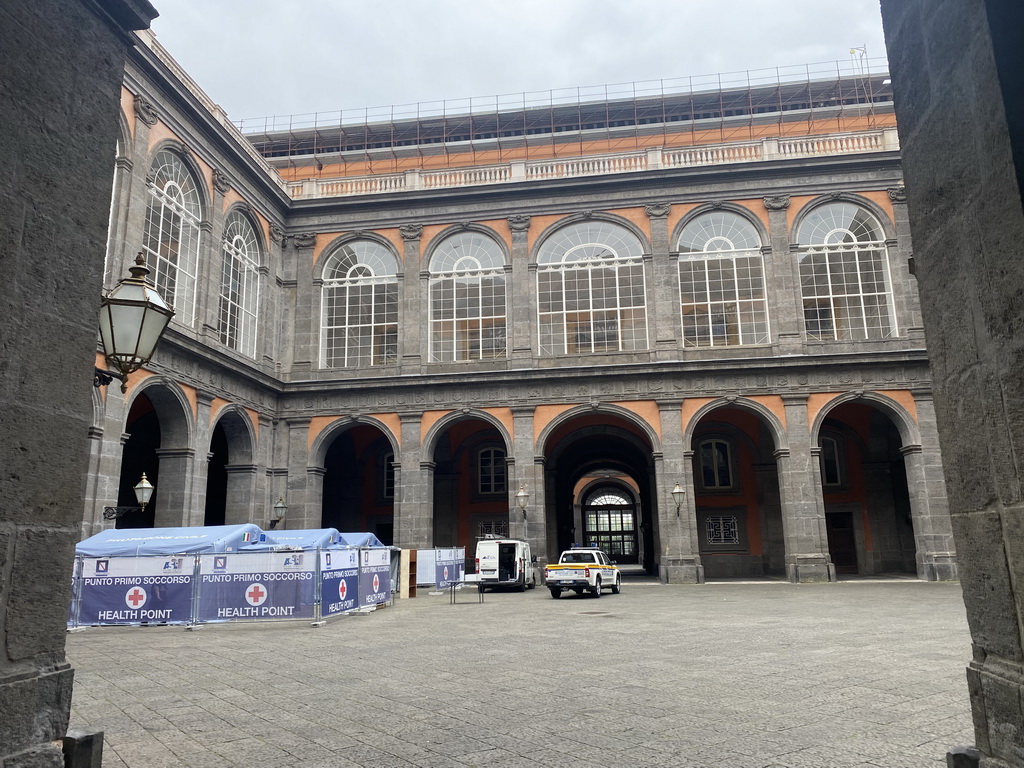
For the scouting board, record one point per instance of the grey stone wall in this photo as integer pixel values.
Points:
(956, 68)
(61, 64)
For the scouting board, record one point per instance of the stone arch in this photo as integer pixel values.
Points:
(321, 443)
(910, 433)
(654, 442)
(172, 405)
(456, 229)
(182, 153)
(777, 430)
(883, 218)
(348, 237)
(430, 440)
(578, 218)
(230, 492)
(739, 210)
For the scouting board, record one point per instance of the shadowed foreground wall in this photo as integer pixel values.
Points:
(956, 68)
(61, 65)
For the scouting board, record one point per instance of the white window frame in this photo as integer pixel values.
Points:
(240, 285)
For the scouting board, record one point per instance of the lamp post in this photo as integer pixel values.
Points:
(278, 514)
(133, 317)
(143, 493)
(677, 497)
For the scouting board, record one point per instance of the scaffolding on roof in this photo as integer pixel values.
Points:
(723, 107)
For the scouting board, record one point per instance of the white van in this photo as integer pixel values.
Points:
(505, 563)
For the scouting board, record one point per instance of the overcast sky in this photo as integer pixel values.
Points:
(283, 57)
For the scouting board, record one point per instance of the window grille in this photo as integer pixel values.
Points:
(359, 325)
(497, 528)
(721, 282)
(590, 290)
(722, 529)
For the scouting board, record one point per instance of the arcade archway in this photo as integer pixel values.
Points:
(599, 480)
(359, 482)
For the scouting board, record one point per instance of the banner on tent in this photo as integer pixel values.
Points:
(339, 581)
(135, 590)
(374, 577)
(253, 586)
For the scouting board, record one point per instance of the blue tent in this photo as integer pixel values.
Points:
(130, 542)
(303, 539)
(360, 540)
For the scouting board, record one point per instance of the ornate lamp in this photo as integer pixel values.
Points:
(521, 499)
(143, 493)
(677, 497)
(133, 317)
(278, 514)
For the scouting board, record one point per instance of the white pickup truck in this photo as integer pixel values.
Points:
(583, 569)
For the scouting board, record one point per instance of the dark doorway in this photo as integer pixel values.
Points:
(842, 544)
(217, 478)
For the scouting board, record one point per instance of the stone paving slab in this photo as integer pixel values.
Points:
(860, 673)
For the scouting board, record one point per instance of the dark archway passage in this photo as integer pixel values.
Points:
(359, 483)
(139, 456)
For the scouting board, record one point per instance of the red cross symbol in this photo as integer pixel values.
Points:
(342, 589)
(256, 594)
(376, 583)
(446, 573)
(136, 597)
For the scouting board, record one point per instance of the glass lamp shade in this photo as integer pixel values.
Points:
(133, 317)
(144, 491)
(279, 509)
(677, 495)
(522, 497)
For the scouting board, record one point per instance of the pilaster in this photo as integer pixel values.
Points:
(522, 299)
(412, 313)
(782, 280)
(661, 271)
(414, 488)
(678, 545)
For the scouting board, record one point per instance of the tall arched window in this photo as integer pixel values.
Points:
(239, 285)
(171, 236)
(467, 299)
(590, 290)
(721, 282)
(844, 274)
(360, 307)
(609, 521)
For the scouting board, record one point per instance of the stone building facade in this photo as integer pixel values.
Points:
(399, 332)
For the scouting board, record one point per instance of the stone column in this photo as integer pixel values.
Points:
(302, 509)
(240, 504)
(413, 312)
(272, 320)
(679, 550)
(521, 294)
(211, 264)
(782, 280)
(525, 472)
(901, 267)
(929, 507)
(306, 336)
(174, 497)
(414, 488)
(803, 508)
(956, 75)
(663, 315)
(201, 439)
(126, 241)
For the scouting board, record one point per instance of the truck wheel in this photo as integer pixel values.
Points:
(532, 584)
(597, 587)
(554, 592)
(617, 587)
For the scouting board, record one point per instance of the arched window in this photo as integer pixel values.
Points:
(359, 324)
(239, 285)
(609, 521)
(844, 275)
(715, 464)
(171, 235)
(721, 282)
(590, 290)
(490, 463)
(467, 299)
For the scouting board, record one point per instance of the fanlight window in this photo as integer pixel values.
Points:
(590, 290)
(359, 307)
(467, 299)
(239, 287)
(844, 275)
(170, 238)
(721, 282)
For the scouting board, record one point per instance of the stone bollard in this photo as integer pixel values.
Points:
(83, 749)
(963, 757)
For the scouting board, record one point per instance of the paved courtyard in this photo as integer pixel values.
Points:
(852, 674)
